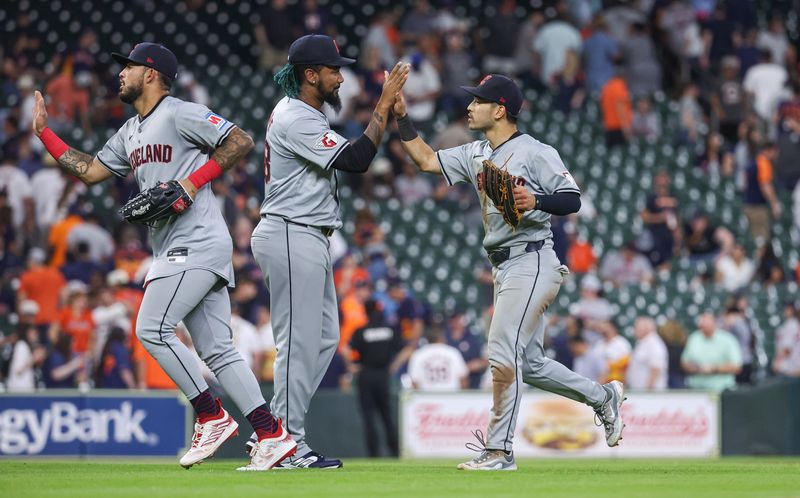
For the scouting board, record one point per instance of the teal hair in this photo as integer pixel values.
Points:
(285, 78)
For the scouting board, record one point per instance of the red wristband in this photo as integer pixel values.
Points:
(205, 173)
(54, 145)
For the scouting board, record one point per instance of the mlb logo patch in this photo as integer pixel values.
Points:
(327, 140)
(216, 120)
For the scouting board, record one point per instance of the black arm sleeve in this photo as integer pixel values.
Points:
(355, 158)
(560, 203)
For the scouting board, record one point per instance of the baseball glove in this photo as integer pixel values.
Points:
(498, 185)
(156, 203)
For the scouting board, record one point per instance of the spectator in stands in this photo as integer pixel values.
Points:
(525, 60)
(69, 101)
(787, 165)
(59, 234)
(770, 270)
(601, 54)
(454, 134)
(41, 284)
(674, 336)
(735, 322)
(458, 69)
(734, 271)
(729, 101)
(660, 217)
(500, 41)
(75, 319)
(560, 344)
(375, 346)
(716, 159)
(51, 190)
(349, 272)
(747, 52)
(17, 187)
(761, 205)
(418, 22)
(378, 47)
(411, 187)
(421, 91)
(625, 267)
(472, 348)
(587, 361)
(787, 344)
(649, 360)
(80, 266)
(692, 120)
(765, 82)
(26, 357)
(615, 104)
(114, 369)
(311, 18)
(437, 366)
(614, 349)
(580, 254)
(642, 69)
(556, 42)
(61, 366)
(247, 341)
(274, 33)
(109, 314)
(712, 357)
(645, 122)
(704, 241)
(684, 39)
(775, 41)
(592, 308)
(193, 90)
(352, 311)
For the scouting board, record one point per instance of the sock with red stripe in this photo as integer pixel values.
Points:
(263, 422)
(206, 406)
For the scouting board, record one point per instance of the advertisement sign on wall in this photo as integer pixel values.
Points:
(683, 424)
(47, 424)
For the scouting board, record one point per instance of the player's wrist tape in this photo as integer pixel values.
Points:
(406, 128)
(205, 173)
(54, 145)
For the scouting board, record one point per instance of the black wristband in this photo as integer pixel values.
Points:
(406, 128)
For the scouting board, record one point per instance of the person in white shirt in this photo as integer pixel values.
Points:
(247, 340)
(615, 349)
(555, 41)
(587, 361)
(437, 366)
(25, 356)
(649, 361)
(17, 187)
(734, 270)
(421, 90)
(787, 344)
(765, 81)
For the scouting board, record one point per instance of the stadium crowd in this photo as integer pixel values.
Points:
(71, 271)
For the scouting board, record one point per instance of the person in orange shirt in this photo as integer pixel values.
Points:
(76, 320)
(615, 104)
(41, 284)
(760, 200)
(69, 98)
(57, 239)
(353, 313)
(348, 274)
(580, 256)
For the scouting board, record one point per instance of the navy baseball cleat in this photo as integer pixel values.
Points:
(311, 460)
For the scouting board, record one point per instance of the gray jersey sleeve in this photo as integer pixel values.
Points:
(550, 174)
(200, 126)
(113, 156)
(455, 163)
(312, 139)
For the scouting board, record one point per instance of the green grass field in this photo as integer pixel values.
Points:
(726, 477)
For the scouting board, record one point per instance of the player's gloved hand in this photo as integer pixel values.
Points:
(156, 203)
(524, 200)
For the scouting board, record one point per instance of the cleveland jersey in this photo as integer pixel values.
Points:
(299, 152)
(535, 165)
(173, 140)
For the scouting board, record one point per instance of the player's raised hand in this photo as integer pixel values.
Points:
(524, 200)
(393, 83)
(399, 107)
(39, 113)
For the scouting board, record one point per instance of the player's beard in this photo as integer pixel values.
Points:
(131, 91)
(333, 100)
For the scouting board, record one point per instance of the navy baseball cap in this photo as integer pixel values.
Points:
(151, 55)
(499, 89)
(317, 49)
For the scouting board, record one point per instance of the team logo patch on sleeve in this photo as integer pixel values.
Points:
(569, 178)
(328, 140)
(215, 119)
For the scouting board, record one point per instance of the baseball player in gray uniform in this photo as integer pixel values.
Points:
(527, 273)
(300, 211)
(170, 139)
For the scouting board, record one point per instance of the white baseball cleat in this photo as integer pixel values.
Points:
(609, 414)
(208, 437)
(269, 452)
(490, 460)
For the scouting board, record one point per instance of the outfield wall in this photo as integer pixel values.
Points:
(749, 421)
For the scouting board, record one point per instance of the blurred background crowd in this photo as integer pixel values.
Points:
(680, 119)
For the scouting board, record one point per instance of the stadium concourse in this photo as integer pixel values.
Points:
(680, 121)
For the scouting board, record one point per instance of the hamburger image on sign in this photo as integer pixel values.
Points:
(560, 424)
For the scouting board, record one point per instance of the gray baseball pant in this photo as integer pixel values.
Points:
(296, 263)
(200, 299)
(525, 286)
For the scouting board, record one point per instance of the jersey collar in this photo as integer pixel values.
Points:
(512, 137)
(142, 118)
